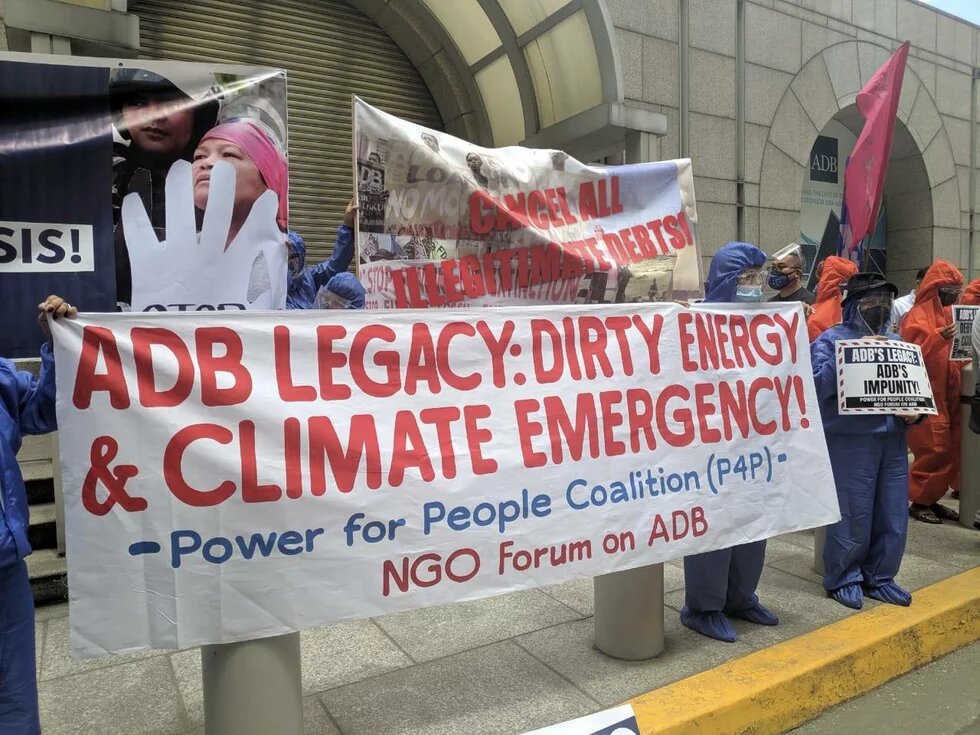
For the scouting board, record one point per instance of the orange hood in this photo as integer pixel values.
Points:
(835, 272)
(827, 309)
(940, 273)
(971, 296)
(923, 325)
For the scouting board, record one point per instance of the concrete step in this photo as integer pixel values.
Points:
(49, 576)
(43, 531)
(34, 457)
(39, 491)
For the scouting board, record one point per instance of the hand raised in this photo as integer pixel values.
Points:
(186, 272)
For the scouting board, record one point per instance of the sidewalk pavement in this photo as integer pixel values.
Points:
(497, 666)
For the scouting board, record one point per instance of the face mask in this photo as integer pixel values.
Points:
(748, 294)
(876, 317)
(778, 281)
(947, 299)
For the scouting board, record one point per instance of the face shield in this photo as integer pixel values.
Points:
(748, 287)
(875, 311)
(786, 267)
(949, 295)
(329, 300)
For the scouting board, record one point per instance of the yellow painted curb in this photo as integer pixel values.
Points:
(780, 687)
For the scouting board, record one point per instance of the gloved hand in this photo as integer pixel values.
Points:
(201, 271)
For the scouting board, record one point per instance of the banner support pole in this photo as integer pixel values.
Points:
(253, 687)
(819, 541)
(629, 613)
(969, 456)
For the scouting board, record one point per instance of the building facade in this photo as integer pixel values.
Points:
(758, 93)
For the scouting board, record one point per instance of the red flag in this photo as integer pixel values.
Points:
(864, 176)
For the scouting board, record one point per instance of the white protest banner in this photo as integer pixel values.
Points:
(617, 721)
(443, 222)
(962, 349)
(882, 377)
(234, 475)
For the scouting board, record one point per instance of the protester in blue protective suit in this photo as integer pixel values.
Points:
(304, 283)
(870, 462)
(723, 583)
(343, 291)
(27, 406)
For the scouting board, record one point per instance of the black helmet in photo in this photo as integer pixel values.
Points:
(127, 82)
(127, 85)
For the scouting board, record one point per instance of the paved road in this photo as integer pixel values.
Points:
(942, 698)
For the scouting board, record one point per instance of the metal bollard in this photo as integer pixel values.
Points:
(59, 495)
(819, 539)
(253, 687)
(629, 613)
(969, 455)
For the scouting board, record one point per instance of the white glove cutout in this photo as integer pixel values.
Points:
(187, 272)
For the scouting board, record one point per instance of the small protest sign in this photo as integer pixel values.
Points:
(962, 349)
(617, 721)
(882, 377)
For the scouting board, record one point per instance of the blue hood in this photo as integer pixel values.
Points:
(347, 287)
(852, 319)
(296, 248)
(728, 264)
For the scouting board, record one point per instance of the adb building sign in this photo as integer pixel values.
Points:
(823, 160)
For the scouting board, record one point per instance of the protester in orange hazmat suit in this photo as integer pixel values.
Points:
(970, 297)
(928, 325)
(971, 294)
(827, 308)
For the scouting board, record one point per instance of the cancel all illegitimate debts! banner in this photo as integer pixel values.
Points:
(444, 223)
(231, 476)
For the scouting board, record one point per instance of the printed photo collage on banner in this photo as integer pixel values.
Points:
(140, 185)
(446, 223)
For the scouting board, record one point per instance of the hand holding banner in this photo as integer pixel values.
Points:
(190, 273)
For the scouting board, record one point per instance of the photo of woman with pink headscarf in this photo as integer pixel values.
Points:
(259, 166)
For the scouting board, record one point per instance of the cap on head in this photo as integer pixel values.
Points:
(862, 284)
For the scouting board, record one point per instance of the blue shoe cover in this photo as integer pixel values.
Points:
(891, 593)
(849, 596)
(758, 614)
(712, 624)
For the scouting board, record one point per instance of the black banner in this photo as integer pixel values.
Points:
(55, 196)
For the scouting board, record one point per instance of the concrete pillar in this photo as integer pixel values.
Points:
(641, 147)
(969, 456)
(819, 538)
(629, 605)
(45, 43)
(253, 687)
(629, 613)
